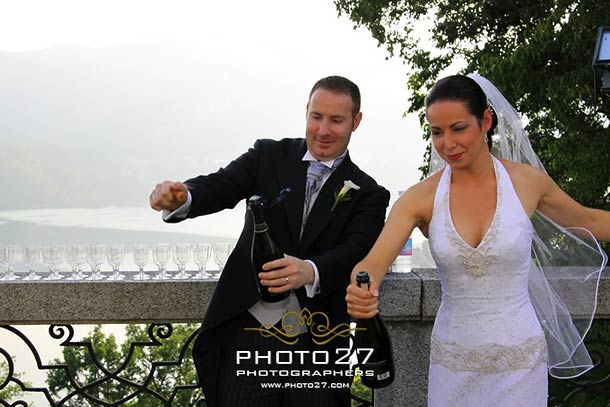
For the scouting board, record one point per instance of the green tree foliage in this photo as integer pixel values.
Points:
(360, 391)
(137, 369)
(11, 391)
(537, 52)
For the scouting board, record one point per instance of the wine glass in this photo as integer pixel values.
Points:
(140, 258)
(201, 255)
(46, 258)
(116, 254)
(53, 256)
(222, 250)
(161, 257)
(96, 254)
(75, 256)
(7, 259)
(180, 254)
(31, 257)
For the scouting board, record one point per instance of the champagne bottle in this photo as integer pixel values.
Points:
(264, 248)
(372, 334)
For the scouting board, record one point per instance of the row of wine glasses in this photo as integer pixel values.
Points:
(209, 259)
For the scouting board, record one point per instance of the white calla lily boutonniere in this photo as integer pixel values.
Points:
(344, 194)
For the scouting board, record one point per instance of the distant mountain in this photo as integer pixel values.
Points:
(85, 126)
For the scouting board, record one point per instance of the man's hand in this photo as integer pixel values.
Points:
(168, 195)
(286, 274)
(361, 303)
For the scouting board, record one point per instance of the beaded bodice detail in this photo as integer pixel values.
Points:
(475, 261)
(486, 322)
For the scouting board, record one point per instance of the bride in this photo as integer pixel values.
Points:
(497, 224)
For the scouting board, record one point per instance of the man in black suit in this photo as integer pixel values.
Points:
(322, 237)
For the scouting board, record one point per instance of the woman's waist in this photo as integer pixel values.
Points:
(489, 357)
(487, 319)
(484, 299)
(486, 329)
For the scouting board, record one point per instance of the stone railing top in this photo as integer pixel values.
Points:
(404, 297)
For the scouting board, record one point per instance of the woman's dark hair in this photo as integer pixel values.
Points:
(463, 89)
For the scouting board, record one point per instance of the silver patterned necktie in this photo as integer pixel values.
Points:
(315, 174)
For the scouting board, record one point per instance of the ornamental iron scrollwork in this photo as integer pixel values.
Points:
(360, 402)
(156, 334)
(65, 333)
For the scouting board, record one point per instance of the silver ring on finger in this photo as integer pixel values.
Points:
(286, 280)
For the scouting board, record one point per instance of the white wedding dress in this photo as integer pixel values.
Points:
(487, 346)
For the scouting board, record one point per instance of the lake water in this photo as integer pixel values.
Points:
(113, 225)
(131, 225)
(108, 225)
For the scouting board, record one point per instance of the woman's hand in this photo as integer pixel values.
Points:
(361, 303)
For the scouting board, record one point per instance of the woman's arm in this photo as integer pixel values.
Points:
(413, 208)
(564, 210)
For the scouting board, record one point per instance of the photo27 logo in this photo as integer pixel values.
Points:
(295, 323)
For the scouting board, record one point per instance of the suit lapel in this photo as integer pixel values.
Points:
(321, 213)
(293, 176)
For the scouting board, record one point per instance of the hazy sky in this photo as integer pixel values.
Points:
(102, 99)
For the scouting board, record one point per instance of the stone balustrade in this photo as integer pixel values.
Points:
(409, 302)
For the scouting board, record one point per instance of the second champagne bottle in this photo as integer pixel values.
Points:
(373, 346)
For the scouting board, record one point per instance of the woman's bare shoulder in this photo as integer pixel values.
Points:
(428, 184)
(530, 183)
(523, 172)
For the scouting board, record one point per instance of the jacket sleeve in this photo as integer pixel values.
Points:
(227, 186)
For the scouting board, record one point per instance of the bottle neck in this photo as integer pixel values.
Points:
(260, 224)
(261, 227)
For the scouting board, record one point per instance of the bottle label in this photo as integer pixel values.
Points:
(407, 249)
(383, 376)
(402, 263)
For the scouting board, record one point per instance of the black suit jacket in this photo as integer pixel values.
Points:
(334, 240)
